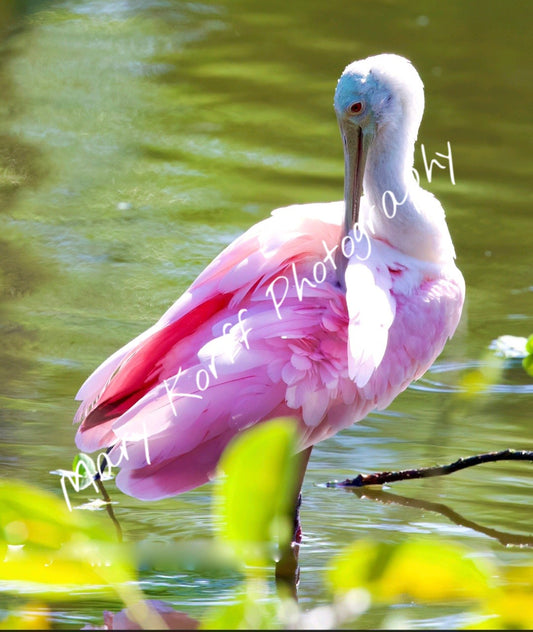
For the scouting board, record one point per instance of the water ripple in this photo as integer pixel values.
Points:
(463, 370)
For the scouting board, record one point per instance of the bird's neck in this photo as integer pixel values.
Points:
(400, 212)
(389, 166)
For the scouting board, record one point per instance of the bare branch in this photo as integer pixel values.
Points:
(380, 478)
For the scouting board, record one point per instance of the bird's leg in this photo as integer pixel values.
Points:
(287, 569)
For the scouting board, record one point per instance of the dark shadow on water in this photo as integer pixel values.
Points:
(378, 495)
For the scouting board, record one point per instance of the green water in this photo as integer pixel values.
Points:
(137, 139)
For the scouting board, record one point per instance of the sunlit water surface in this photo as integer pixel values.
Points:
(139, 138)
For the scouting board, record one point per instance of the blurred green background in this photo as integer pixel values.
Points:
(138, 138)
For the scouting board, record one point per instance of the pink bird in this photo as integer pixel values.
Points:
(322, 312)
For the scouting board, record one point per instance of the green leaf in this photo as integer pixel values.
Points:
(43, 544)
(85, 469)
(252, 611)
(253, 500)
(30, 617)
(527, 363)
(419, 570)
(32, 516)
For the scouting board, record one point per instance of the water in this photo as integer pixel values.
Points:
(139, 138)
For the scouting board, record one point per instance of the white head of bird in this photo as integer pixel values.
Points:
(379, 103)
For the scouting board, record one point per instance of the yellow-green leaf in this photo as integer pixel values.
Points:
(419, 570)
(29, 617)
(527, 363)
(84, 469)
(29, 515)
(252, 611)
(252, 500)
(43, 544)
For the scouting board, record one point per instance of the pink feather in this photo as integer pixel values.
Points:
(276, 325)
(328, 361)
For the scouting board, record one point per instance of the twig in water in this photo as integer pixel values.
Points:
(380, 478)
(107, 499)
(109, 507)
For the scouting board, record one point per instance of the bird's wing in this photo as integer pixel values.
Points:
(174, 341)
(222, 358)
(284, 235)
(263, 366)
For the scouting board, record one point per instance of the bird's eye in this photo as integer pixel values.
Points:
(356, 108)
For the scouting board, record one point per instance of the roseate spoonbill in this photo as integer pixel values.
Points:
(322, 312)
